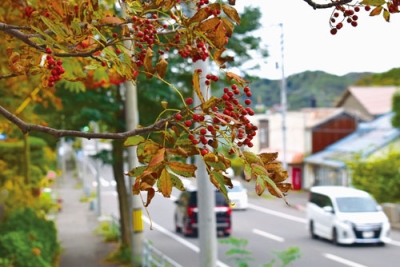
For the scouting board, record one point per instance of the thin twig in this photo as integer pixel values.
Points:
(329, 5)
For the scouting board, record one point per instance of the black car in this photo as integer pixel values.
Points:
(186, 219)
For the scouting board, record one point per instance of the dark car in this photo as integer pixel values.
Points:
(186, 219)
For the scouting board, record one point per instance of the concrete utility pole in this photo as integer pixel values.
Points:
(97, 167)
(283, 103)
(135, 209)
(205, 196)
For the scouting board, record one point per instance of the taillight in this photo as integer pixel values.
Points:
(191, 211)
(229, 211)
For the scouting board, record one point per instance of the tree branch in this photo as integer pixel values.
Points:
(25, 128)
(329, 5)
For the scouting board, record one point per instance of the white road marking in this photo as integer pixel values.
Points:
(278, 214)
(268, 235)
(395, 243)
(178, 239)
(343, 261)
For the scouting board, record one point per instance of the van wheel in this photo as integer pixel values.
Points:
(335, 237)
(313, 235)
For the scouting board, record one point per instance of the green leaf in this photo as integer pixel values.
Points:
(373, 2)
(54, 27)
(134, 140)
(101, 74)
(183, 169)
(219, 178)
(74, 86)
(76, 26)
(251, 157)
(177, 182)
(135, 172)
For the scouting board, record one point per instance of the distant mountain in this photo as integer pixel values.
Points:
(304, 89)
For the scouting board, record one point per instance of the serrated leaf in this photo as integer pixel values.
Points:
(150, 195)
(219, 181)
(258, 169)
(373, 2)
(247, 172)
(137, 171)
(231, 13)
(148, 63)
(200, 15)
(157, 158)
(216, 165)
(196, 86)
(134, 140)
(268, 157)
(182, 169)
(228, 27)
(177, 151)
(165, 183)
(251, 157)
(161, 67)
(260, 186)
(74, 86)
(376, 11)
(386, 15)
(208, 25)
(232, 76)
(177, 182)
(111, 20)
(209, 104)
(54, 27)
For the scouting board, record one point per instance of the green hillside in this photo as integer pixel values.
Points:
(301, 88)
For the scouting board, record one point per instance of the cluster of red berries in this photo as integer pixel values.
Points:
(55, 66)
(200, 52)
(201, 3)
(345, 14)
(227, 111)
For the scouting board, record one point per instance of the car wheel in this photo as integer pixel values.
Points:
(177, 228)
(335, 237)
(313, 235)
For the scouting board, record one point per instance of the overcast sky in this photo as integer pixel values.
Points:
(373, 46)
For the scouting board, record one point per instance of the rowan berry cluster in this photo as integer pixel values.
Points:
(343, 14)
(55, 66)
(227, 118)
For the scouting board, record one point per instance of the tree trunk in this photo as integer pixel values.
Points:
(123, 200)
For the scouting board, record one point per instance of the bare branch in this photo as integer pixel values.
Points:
(25, 128)
(329, 5)
(5, 76)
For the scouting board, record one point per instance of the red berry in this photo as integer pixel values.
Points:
(115, 35)
(189, 101)
(234, 86)
(333, 31)
(48, 50)
(367, 8)
(354, 23)
(247, 101)
(339, 25)
(203, 131)
(204, 151)
(178, 116)
(118, 51)
(188, 123)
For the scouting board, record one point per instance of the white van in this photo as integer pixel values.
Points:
(346, 215)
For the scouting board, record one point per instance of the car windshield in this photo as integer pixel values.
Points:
(356, 204)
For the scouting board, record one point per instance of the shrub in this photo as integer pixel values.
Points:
(28, 240)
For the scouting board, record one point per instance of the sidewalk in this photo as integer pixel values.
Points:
(80, 247)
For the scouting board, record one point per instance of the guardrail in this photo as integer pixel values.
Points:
(152, 257)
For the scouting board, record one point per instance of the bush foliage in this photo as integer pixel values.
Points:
(28, 240)
(379, 176)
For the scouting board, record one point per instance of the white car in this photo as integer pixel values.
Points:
(238, 196)
(346, 215)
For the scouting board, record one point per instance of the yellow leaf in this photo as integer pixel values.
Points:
(210, 157)
(157, 158)
(231, 13)
(386, 15)
(183, 169)
(196, 86)
(209, 24)
(209, 104)
(376, 11)
(161, 67)
(268, 157)
(220, 37)
(200, 15)
(165, 183)
(251, 157)
(111, 20)
(231, 76)
(228, 27)
(134, 140)
(148, 65)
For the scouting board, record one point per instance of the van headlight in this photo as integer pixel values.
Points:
(348, 223)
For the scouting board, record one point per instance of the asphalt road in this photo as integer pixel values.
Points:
(268, 225)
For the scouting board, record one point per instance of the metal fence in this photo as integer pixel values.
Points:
(152, 257)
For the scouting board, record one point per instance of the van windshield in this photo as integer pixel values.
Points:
(356, 204)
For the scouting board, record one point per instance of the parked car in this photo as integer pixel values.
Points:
(238, 196)
(186, 213)
(346, 215)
